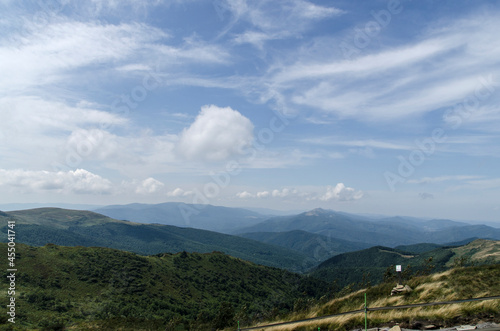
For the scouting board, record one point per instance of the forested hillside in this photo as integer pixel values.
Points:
(86, 287)
(71, 228)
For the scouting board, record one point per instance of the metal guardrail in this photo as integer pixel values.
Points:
(363, 310)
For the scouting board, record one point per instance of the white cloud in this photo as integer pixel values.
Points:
(44, 129)
(149, 186)
(79, 181)
(256, 38)
(263, 194)
(366, 65)
(480, 185)
(244, 195)
(281, 193)
(43, 56)
(178, 192)
(193, 51)
(330, 193)
(429, 180)
(294, 17)
(216, 134)
(341, 193)
(130, 154)
(35, 57)
(368, 143)
(34, 114)
(411, 78)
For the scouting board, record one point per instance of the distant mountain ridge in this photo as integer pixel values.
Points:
(41, 226)
(389, 232)
(206, 217)
(60, 218)
(294, 242)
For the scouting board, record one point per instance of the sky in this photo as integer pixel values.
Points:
(383, 107)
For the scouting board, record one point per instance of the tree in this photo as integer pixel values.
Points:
(224, 316)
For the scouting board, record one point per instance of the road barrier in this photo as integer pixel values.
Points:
(367, 309)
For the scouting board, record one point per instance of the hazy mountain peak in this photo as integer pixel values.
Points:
(318, 212)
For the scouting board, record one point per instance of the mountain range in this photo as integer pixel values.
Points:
(295, 242)
(328, 232)
(167, 276)
(38, 227)
(206, 217)
(389, 232)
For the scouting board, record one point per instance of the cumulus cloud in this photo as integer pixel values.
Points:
(263, 194)
(283, 193)
(42, 129)
(149, 186)
(245, 195)
(79, 181)
(216, 134)
(341, 193)
(266, 194)
(178, 192)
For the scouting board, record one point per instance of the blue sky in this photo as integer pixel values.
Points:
(387, 107)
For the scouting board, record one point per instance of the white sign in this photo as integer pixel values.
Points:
(398, 268)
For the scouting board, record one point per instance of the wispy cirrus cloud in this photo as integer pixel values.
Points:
(265, 23)
(37, 58)
(341, 141)
(439, 69)
(429, 180)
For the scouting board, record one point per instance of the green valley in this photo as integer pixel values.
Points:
(88, 287)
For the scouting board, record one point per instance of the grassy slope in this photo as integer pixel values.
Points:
(373, 262)
(69, 228)
(478, 251)
(454, 284)
(97, 286)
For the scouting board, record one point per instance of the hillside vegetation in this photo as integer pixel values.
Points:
(86, 287)
(373, 265)
(454, 284)
(316, 246)
(38, 227)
